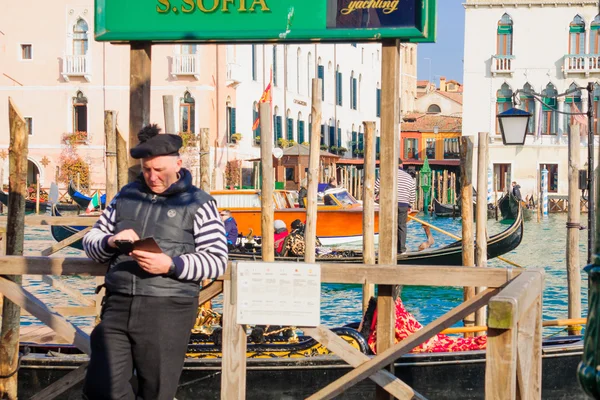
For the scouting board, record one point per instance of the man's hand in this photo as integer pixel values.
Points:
(127, 234)
(153, 263)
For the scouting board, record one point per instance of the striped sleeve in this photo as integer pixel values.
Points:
(210, 259)
(95, 241)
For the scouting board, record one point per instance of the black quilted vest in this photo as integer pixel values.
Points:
(169, 218)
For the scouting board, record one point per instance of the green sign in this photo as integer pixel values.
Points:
(264, 20)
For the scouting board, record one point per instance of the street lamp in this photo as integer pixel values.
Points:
(513, 126)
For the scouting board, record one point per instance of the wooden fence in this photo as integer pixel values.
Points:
(513, 297)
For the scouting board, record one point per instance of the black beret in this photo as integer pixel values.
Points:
(153, 144)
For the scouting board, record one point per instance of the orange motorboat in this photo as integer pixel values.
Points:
(340, 221)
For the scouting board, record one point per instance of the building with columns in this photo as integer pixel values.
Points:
(530, 46)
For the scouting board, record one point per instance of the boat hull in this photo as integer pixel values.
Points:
(441, 376)
(30, 206)
(82, 200)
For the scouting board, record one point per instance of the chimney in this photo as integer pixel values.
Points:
(442, 83)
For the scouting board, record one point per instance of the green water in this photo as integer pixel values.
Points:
(543, 246)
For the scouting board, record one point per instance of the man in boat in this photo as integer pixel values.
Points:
(231, 229)
(302, 194)
(331, 184)
(151, 297)
(407, 194)
(516, 191)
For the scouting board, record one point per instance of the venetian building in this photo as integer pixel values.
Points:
(536, 46)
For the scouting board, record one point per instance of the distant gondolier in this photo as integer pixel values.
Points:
(516, 191)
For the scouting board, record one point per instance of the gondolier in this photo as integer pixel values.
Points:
(406, 197)
(152, 297)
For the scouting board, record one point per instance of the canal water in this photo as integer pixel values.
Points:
(543, 246)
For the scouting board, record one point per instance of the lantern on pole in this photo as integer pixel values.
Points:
(425, 179)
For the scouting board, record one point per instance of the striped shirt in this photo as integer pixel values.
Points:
(208, 262)
(407, 192)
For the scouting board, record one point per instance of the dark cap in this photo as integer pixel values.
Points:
(153, 143)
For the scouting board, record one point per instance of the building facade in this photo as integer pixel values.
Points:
(536, 49)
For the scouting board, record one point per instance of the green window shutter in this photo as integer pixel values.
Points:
(354, 142)
(576, 29)
(339, 137)
(361, 141)
(595, 27)
(309, 132)
(377, 146)
(503, 100)
(505, 30)
(300, 131)
(331, 136)
(232, 121)
(549, 104)
(257, 130)
(290, 129)
(354, 94)
(378, 105)
(279, 130)
(321, 75)
(322, 134)
(253, 62)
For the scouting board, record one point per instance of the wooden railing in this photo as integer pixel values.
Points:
(514, 298)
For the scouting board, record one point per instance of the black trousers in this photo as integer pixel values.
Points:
(402, 217)
(148, 334)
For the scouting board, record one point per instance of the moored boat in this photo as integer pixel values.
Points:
(30, 205)
(508, 206)
(445, 210)
(81, 199)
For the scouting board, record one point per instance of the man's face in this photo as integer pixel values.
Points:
(160, 172)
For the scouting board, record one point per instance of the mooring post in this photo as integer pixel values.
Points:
(268, 183)
(310, 231)
(15, 235)
(369, 209)
(122, 160)
(466, 203)
(37, 193)
(481, 218)
(573, 224)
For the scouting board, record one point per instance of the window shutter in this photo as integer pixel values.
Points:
(354, 142)
(378, 105)
(354, 96)
(377, 145)
(275, 129)
(321, 72)
(322, 134)
(504, 29)
(300, 131)
(309, 132)
(576, 28)
(361, 141)
(232, 121)
(254, 117)
(290, 129)
(340, 89)
(332, 136)
(339, 137)
(253, 62)
(279, 130)
(549, 104)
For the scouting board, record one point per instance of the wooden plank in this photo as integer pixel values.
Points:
(535, 378)
(352, 356)
(390, 355)
(122, 159)
(15, 236)
(369, 208)
(501, 365)
(209, 292)
(72, 311)
(110, 136)
(32, 220)
(525, 349)
(73, 293)
(312, 179)
(268, 183)
(466, 203)
(204, 160)
(388, 193)
(506, 309)
(66, 242)
(62, 385)
(481, 219)
(573, 223)
(169, 114)
(37, 194)
(233, 367)
(140, 74)
(31, 304)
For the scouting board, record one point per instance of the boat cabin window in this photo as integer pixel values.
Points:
(345, 198)
(237, 200)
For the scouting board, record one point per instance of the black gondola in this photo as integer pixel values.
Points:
(82, 199)
(458, 375)
(30, 204)
(445, 210)
(509, 206)
(498, 245)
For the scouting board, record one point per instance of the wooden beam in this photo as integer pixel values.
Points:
(233, 367)
(140, 74)
(62, 385)
(527, 354)
(169, 114)
(66, 242)
(268, 183)
(501, 365)
(466, 203)
(110, 135)
(209, 292)
(573, 223)
(122, 160)
(310, 231)
(352, 356)
(35, 307)
(34, 220)
(388, 196)
(369, 209)
(506, 309)
(481, 220)
(73, 293)
(10, 265)
(204, 160)
(15, 236)
(72, 311)
(390, 355)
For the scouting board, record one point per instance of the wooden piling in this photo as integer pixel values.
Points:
(573, 223)
(466, 202)
(369, 208)
(122, 160)
(205, 160)
(268, 183)
(78, 181)
(37, 193)
(140, 60)
(15, 236)
(481, 219)
(169, 114)
(110, 136)
(388, 200)
(445, 187)
(310, 231)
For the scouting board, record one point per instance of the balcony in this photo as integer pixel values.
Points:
(76, 66)
(186, 65)
(502, 64)
(234, 75)
(581, 64)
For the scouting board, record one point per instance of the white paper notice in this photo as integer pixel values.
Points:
(278, 294)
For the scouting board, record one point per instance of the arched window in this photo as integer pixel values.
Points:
(310, 70)
(572, 105)
(321, 76)
(354, 142)
(577, 36)
(595, 36)
(278, 133)
(353, 90)
(434, 109)
(298, 75)
(290, 125)
(256, 123)
(378, 100)
(504, 39)
(549, 114)
(503, 101)
(338, 86)
(300, 129)
(187, 111)
(231, 120)
(332, 141)
(338, 134)
(309, 133)
(80, 38)
(528, 104)
(80, 113)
